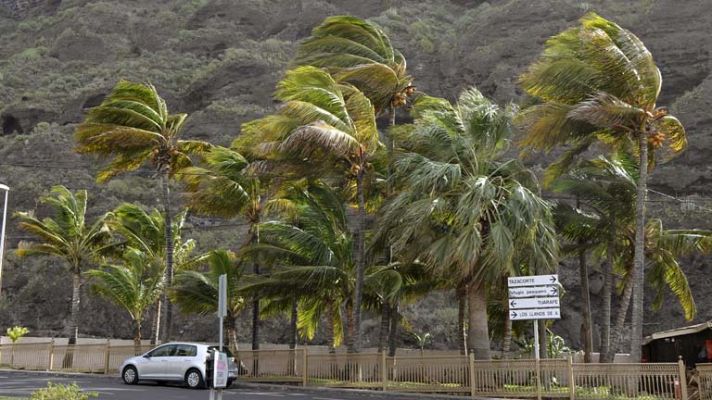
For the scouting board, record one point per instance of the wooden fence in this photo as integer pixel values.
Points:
(448, 373)
(704, 381)
(94, 358)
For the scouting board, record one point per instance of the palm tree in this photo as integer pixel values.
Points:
(598, 82)
(322, 123)
(132, 126)
(223, 186)
(145, 232)
(313, 247)
(358, 52)
(606, 226)
(197, 292)
(388, 287)
(463, 208)
(69, 236)
(134, 285)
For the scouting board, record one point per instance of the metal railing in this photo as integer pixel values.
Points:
(447, 373)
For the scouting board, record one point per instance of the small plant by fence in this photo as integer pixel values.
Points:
(449, 373)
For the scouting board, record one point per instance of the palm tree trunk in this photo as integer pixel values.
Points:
(72, 327)
(360, 256)
(478, 329)
(349, 332)
(293, 338)
(607, 295)
(617, 334)
(156, 322)
(168, 275)
(585, 295)
(461, 293)
(330, 320)
(385, 320)
(639, 257)
(293, 326)
(507, 339)
(231, 328)
(256, 316)
(393, 331)
(137, 336)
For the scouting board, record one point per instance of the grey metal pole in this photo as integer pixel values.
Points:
(2, 232)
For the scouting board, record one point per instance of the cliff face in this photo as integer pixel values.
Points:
(219, 61)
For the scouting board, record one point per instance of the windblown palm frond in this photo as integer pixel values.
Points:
(133, 285)
(360, 53)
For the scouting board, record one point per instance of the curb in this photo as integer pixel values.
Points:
(365, 393)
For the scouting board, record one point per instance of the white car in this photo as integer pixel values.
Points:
(174, 362)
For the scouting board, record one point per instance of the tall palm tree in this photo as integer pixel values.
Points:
(134, 285)
(321, 123)
(223, 186)
(197, 292)
(464, 208)
(598, 82)
(606, 226)
(145, 232)
(132, 126)
(313, 247)
(360, 53)
(67, 235)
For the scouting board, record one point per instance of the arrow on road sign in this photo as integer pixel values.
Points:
(534, 280)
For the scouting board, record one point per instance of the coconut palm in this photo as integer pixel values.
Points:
(463, 209)
(358, 52)
(321, 125)
(68, 235)
(605, 225)
(598, 82)
(197, 292)
(390, 286)
(134, 285)
(145, 231)
(311, 248)
(222, 186)
(132, 126)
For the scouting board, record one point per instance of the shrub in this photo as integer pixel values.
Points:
(62, 392)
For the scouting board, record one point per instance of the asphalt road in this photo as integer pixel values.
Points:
(21, 384)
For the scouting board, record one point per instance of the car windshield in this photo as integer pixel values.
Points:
(225, 350)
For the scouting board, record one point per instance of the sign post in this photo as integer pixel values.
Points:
(534, 298)
(220, 365)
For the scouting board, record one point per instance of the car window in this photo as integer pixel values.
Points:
(163, 351)
(185, 350)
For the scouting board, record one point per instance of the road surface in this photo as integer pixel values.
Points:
(21, 384)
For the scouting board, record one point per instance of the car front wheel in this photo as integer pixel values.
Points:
(194, 379)
(130, 375)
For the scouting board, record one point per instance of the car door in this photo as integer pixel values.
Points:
(156, 362)
(181, 360)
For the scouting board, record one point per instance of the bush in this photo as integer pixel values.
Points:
(62, 392)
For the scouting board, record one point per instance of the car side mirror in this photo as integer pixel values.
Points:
(146, 356)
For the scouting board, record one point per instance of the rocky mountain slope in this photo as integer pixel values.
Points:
(219, 60)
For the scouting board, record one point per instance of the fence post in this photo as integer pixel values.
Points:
(305, 374)
(107, 355)
(384, 371)
(473, 386)
(683, 378)
(572, 382)
(51, 355)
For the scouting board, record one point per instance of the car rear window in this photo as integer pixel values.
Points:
(186, 350)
